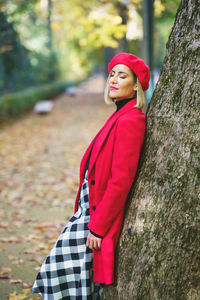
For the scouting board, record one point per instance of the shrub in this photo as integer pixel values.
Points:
(16, 103)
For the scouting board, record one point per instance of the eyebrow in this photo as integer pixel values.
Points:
(120, 72)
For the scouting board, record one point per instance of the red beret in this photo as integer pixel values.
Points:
(134, 63)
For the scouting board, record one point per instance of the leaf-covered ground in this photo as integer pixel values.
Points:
(39, 175)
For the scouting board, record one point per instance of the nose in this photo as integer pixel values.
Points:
(113, 79)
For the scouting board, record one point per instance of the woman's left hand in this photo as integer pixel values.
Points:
(93, 242)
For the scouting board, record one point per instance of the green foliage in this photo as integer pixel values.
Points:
(25, 56)
(14, 104)
(13, 57)
(171, 7)
(164, 20)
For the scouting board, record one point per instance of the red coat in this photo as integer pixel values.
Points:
(112, 168)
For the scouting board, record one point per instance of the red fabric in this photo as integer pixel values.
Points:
(113, 165)
(134, 63)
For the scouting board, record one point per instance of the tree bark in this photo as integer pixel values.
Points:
(158, 252)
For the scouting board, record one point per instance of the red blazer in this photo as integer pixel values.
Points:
(112, 168)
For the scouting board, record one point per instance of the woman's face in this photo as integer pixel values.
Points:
(121, 83)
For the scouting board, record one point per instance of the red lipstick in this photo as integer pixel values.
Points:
(113, 88)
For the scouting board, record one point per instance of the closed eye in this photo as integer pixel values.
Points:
(120, 73)
(112, 74)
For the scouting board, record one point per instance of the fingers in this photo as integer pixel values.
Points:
(87, 242)
(99, 244)
(93, 242)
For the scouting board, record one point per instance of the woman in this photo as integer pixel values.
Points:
(84, 252)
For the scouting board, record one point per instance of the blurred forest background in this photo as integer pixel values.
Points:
(42, 41)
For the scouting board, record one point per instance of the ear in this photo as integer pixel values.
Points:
(135, 87)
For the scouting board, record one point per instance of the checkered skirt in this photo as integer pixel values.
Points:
(66, 272)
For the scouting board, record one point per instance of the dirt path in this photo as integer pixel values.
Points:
(40, 158)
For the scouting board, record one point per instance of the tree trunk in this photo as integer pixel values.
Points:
(108, 55)
(50, 35)
(157, 256)
(123, 13)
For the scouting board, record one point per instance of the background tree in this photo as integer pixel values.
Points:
(158, 255)
(27, 57)
(164, 14)
(13, 56)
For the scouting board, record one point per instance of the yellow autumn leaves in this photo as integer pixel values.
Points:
(95, 27)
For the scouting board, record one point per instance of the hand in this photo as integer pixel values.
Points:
(93, 242)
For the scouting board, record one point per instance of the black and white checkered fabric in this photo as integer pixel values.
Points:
(66, 272)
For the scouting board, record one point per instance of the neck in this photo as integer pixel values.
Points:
(118, 100)
(122, 102)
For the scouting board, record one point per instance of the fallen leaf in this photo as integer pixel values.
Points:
(27, 285)
(11, 239)
(15, 281)
(37, 258)
(5, 270)
(30, 251)
(4, 224)
(26, 291)
(14, 296)
(5, 276)
(10, 257)
(18, 262)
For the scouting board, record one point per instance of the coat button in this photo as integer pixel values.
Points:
(93, 207)
(92, 182)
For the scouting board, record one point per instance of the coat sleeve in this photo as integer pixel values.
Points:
(127, 147)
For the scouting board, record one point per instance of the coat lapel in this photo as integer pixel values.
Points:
(103, 133)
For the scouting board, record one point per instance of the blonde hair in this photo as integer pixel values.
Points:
(140, 95)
